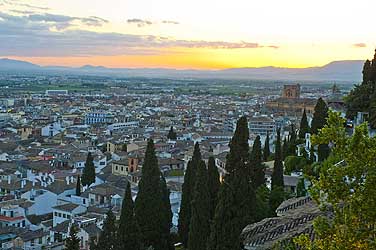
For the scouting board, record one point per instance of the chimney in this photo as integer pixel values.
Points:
(9, 179)
(67, 180)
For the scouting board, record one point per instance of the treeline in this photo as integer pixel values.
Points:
(363, 97)
(144, 224)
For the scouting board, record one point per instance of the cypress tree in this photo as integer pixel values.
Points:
(107, 238)
(187, 195)
(277, 175)
(266, 152)
(277, 196)
(213, 185)
(318, 122)
(304, 127)
(171, 134)
(312, 154)
(319, 116)
(285, 149)
(292, 142)
(236, 198)
(72, 242)
(78, 186)
(262, 203)
(199, 228)
(256, 160)
(167, 223)
(149, 206)
(128, 232)
(88, 175)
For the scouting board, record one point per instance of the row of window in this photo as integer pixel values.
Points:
(62, 215)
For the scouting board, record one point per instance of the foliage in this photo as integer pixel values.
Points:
(72, 242)
(88, 175)
(199, 228)
(187, 195)
(319, 116)
(266, 153)
(236, 198)
(128, 232)
(304, 127)
(347, 181)
(277, 196)
(277, 175)
(262, 203)
(107, 239)
(78, 186)
(149, 206)
(300, 189)
(256, 161)
(213, 185)
(294, 164)
(171, 134)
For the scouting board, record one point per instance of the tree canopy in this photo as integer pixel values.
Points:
(347, 181)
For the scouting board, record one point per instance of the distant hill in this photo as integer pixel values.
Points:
(348, 70)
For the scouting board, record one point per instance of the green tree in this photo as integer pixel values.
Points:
(167, 219)
(88, 175)
(107, 238)
(124, 147)
(199, 228)
(300, 188)
(149, 205)
(294, 163)
(171, 134)
(277, 175)
(78, 186)
(277, 196)
(262, 203)
(319, 116)
(266, 153)
(291, 146)
(347, 183)
(187, 195)
(256, 160)
(236, 198)
(304, 127)
(72, 242)
(213, 185)
(285, 149)
(128, 232)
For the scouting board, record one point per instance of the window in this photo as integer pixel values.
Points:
(64, 216)
(55, 213)
(122, 169)
(117, 168)
(68, 216)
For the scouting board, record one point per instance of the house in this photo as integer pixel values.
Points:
(52, 129)
(125, 166)
(66, 212)
(31, 240)
(102, 194)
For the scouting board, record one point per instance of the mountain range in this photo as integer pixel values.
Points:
(347, 70)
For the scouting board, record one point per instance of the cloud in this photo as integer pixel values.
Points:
(169, 22)
(139, 22)
(18, 3)
(359, 45)
(34, 35)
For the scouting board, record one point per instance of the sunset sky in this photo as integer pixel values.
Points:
(204, 34)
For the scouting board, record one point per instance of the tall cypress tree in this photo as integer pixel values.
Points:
(149, 206)
(285, 149)
(277, 194)
(256, 160)
(187, 195)
(171, 134)
(266, 152)
(236, 198)
(88, 175)
(213, 184)
(107, 238)
(128, 232)
(304, 127)
(318, 122)
(277, 175)
(72, 242)
(292, 142)
(319, 116)
(167, 223)
(199, 228)
(78, 186)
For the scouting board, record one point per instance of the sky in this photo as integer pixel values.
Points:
(187, 34)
